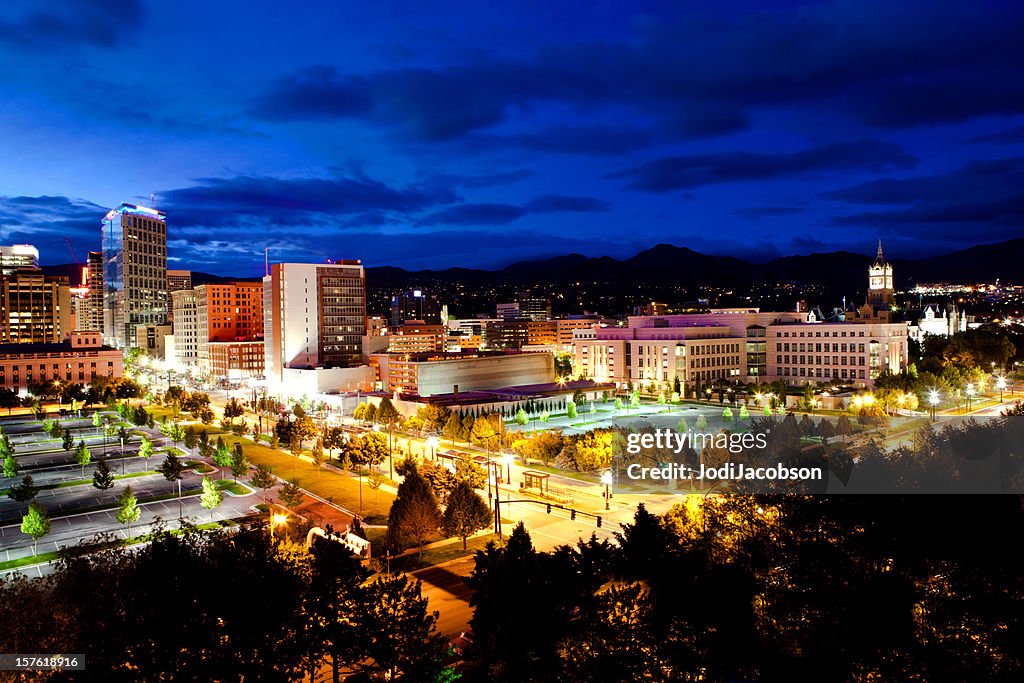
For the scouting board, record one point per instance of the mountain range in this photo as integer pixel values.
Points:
(670, 264)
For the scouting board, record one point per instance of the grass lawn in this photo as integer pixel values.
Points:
(234, 487)
(31, 559)
(332, 486)
(445, 553)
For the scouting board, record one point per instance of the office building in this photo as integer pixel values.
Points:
(427, 374)
(185, 330)
(227, 312)
(79, 359)
(314, 317)
(177, 280)
(34, 308)
(18, 257)
(415, 304)
(235, 360)
(416, 336)
(134, 271)
(152, 339)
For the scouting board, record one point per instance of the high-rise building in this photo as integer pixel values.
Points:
(18, 256)
(177, 280)
(34, 308)
(185, 330)
(532, 307)
(134, 271)
(415, 304)
(231, 312)
(314, 316)
(94, 281)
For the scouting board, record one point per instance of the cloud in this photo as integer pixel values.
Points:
(45, 221)
(72, 22)
(701, 75)
(758, 212)
(554, 203)
(261, 200)
(982, 197)
(1012, 136)
(684, 172)
(502, 214)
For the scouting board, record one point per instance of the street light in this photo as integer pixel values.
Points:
(606, 479)
(507, 459)
(1001, 385)
(933, 400)
(433, 442)
(970, 396)
(275, 520)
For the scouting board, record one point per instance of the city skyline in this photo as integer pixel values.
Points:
(491, 135)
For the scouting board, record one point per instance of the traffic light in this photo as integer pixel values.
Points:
(572, 514)
(549, 508)
(599, 521)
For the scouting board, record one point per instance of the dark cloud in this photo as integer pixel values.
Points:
(47, 221)
(56, 23)
(475, 214)
(982, 197)
(564, 139)
(295, 201)
(757, 212)
(683, 172)
(553, 203)
(1013, 136)
(699, 76)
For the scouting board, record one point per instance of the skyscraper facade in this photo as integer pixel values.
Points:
(314, 316)
(134, 271)
(415, 304)
(176, 281)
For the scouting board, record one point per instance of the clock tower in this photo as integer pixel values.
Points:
(880, 289)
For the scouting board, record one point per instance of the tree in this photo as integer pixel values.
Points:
(25, 491)
(35, 523)
(239, 463)
(146, 449)
(744, 413)
(190, 439)
(727, 415)
(826, 430)
(414, 515)
(403, 643)
(387, 414)
(469, 471)
(233, 409)
(304, 428)
(466, 512)
(262, 479)
(9, 399)
(82, 456)
(97, 419)
(618, 404)
(844, 426)
(634, 399)
(521, 418)
(767, 410)
(682, 427)
(102, 477)
(211, 497)
(570, 410)
(176, 434)
(10, 465)
(291, 495)
(453, 427)
(68, 439)
(128, 510)
(171, 466)
(317, 453)
(222, 456)
(702, 423)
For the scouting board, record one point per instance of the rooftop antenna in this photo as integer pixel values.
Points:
(266, 260)
(152, 200)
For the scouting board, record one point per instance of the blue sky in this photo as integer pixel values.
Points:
(477, 134)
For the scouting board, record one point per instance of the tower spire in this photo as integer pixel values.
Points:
(880, 258)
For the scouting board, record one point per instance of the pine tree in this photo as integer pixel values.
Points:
(25, 491)
(239, 463)
(262, 479)
(291, 495)
(102, 477)
(415, 514)
(466, 512)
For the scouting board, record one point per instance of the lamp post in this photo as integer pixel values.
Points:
(606, 479)
(275, 520)
(933, 400)
(970, 396)
(507, 459)
(1001, 385)
(122, 456)
(432, 442)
